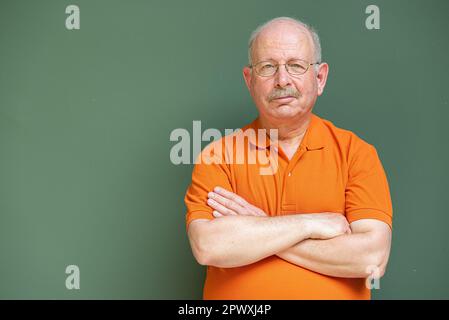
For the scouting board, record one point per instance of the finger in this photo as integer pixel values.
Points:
(240, 201)
(220, 208)
(348, 229)
(230, 204)
(231, 195)
(256, 210)
(217, 214)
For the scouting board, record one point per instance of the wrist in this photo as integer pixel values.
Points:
(305, 225)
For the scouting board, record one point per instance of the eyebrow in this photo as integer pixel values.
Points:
(271, 59)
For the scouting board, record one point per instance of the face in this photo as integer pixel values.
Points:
(282, 96)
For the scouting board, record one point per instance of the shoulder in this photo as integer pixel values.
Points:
(343, 138)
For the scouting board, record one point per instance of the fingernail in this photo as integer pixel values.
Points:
(210, 194)
(217, 189)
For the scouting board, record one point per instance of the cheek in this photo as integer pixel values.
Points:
(261, 90)
(308, 88)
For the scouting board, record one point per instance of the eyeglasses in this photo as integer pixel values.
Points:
(294, 67)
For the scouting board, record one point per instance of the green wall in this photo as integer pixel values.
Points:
(86, 115)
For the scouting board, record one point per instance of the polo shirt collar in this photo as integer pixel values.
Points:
(313, 139)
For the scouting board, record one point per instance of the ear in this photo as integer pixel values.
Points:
(321, 77)
(247, 75)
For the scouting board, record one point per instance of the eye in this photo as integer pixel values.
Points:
(296, 66)
(267, 66)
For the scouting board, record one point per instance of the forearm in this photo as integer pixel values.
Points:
(348, 256)
(240, 240)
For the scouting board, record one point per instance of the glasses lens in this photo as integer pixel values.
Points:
(265, 68)
(297, 66)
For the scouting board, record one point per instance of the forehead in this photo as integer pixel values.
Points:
(283, 42)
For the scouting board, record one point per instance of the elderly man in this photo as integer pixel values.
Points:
(321, 223)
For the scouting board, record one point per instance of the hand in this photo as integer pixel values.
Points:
(326, 225)
(227, 203)
(321, 225)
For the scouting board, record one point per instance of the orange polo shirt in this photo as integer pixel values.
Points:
(333, 170)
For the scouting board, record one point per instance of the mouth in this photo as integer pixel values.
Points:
(284, 99)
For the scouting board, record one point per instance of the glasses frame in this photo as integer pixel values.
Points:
(277, 65)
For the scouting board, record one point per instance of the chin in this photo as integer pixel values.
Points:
(285, 111)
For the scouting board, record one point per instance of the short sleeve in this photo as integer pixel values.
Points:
(208, 173)
(367, 192)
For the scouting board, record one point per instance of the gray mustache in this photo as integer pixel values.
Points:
(284, 92)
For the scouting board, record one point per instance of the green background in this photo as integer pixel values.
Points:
(86, 115)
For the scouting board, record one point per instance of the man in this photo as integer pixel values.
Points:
(321, 223)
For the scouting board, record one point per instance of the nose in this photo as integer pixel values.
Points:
(282, 77)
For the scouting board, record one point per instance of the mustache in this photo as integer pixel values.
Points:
(277, 93)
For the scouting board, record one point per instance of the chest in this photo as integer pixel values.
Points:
(315, 182)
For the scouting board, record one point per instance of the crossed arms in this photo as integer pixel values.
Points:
(325, 243)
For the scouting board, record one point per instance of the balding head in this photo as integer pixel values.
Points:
(291, 30)
(285, 97)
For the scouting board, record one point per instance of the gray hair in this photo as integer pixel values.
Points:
(312, 31)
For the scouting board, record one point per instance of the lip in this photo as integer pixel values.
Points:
(284, 99)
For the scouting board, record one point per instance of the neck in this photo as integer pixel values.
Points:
(289, 132)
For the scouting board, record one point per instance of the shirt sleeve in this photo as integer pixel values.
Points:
(367, 192)
(209, 172)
